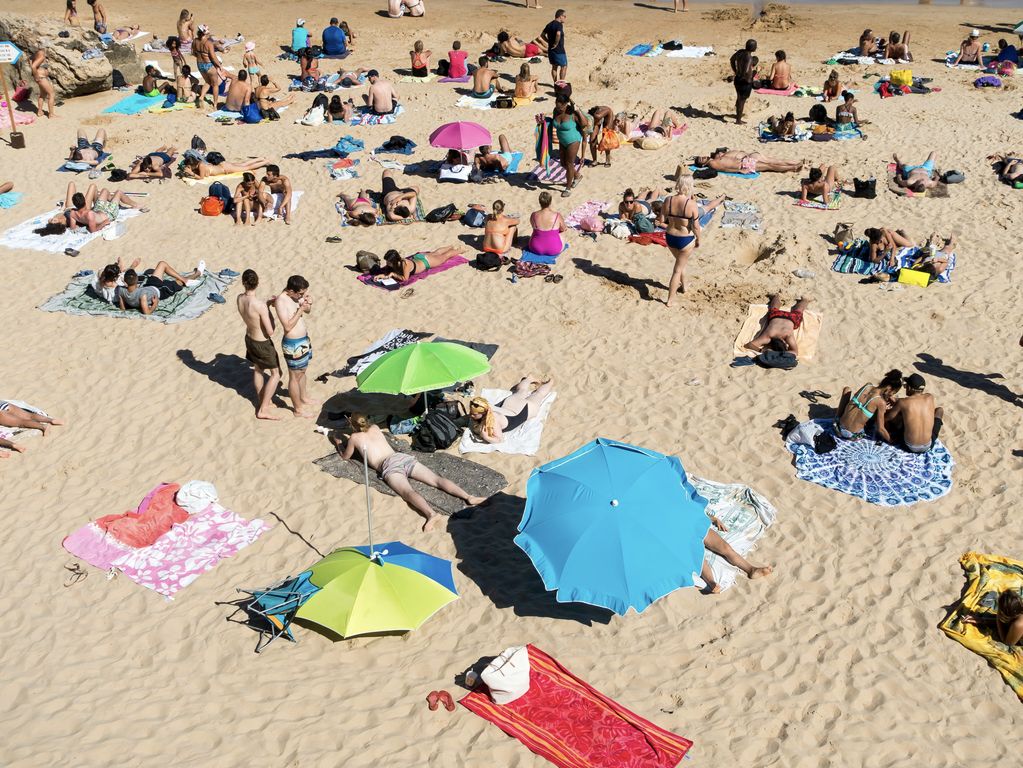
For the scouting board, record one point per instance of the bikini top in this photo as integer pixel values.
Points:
(669, 215)
(855, 400)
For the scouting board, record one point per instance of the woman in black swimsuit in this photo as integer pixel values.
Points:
(491, 422)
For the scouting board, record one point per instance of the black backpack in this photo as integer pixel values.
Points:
(442, 214)
(865, 189)
(219, 189)
(436, 431)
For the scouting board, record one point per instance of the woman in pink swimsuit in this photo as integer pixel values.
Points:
(547, 228)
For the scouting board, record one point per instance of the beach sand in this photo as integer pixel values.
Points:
(833, 661)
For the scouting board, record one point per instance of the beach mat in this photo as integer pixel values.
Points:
(476, 479)
(553, 173)
(585, 211)
(818, 204)
(987, 576)
(10, 199)
(22, 236)
(365, 117)
(729, 173)
(462, 79)
(776, 92)
(187, 304)
(573, 725)
(745, 513)
(390, 341)
(807, 335)
(454, 261)
(429, 78)
(528, 257)
(20, 118)
(854, 259)
(133, 105)
(522, 441)
(210, 179)
(878, 473)
(690, 52)
(159, 545)
(741, 215)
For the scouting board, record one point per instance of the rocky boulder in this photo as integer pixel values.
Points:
(71, 74)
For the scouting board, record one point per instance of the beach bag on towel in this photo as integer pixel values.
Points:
(901, 77)
(805, 433)
(252, 114)
(474, 217)
(435, 432)
(643, 223)
(608, 140)
(507, 676)
(592, 224)
(865, 189)
(442, 214)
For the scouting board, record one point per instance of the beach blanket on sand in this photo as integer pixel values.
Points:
(187, 304)
(555, 173)
(876, 472)
(745, 513)
(160, 546)
(807, 334)
(160, 109)
(474, 478)
(690, 52)
(133, 105)
(523, 441)
(741, 215)
(22, 236)
(392, 340)
(643, 49)
(430, 77)
(765, 133)
(224, 177)
(587, 210)
(818, 203)
(729, 173)
(528, 257)
(20, 118)
(854, 259)
(364, 117)
(573, 725)
(454, 261)
(462, 79)
(471, 102)
(420, 214)
(987, 576)
(776, 92)
(9, 199)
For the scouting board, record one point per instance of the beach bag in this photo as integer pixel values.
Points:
(705, 173)
(592, 224)
(772, 358)
(866, 189)
(953, 177)
(435, 432)
(804, 434)
(443, 67)
(221, 191)
(215, 158)
(608, 140)
(454, 173)
(824, 443)
(252, 114)
(901, 77)
(503, 102)
(643, 223)
(843, 233)
(442, 214)
(211, 206)
(488, 262)
(474, 217)
(170, 101)
(619, 229)
(507, 676)
(914, 277)
(199, 146)
(366, 261)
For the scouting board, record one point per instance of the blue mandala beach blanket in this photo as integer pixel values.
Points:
(876, 472)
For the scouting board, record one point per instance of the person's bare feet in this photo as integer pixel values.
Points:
(431, 521)
(268, 415)
(760, 572)
(303, 414)
(44, 428)
(475, 501)
(712, 588)
(57, 422)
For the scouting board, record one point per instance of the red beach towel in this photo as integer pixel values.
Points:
(573, 725)
(154, 517)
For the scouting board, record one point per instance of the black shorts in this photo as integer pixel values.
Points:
(388, 185)
(743, 88)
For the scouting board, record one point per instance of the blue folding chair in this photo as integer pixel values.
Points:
(276, 606)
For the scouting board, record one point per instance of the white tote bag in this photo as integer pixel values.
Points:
(507, 676)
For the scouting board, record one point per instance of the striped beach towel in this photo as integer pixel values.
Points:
(568, 722)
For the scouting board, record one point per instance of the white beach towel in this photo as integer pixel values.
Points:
(296, 196)
(21, 236)
(524, 441)
(690, 52)
(473, 103)
(136, 36)
(745, 513)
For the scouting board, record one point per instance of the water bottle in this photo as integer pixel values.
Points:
(805, 273)
(514, 278)
(986, 47)
(471, 678)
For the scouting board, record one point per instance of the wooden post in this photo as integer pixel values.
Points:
(17, 138)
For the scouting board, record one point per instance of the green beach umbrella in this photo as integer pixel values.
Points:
(388, 588)
(421, 367)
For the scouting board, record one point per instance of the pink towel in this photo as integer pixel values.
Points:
(463, 79)
(772, 92)
(451, 263)
(584, 211)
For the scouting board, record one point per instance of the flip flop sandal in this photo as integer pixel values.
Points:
(432, 700)
(557, 279)
(217, 298)
(407, 293)
(446, 700)
(77, 573)
(334, 239)
(70, 252)
(567, 193)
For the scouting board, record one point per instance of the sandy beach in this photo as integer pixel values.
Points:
(835, 660)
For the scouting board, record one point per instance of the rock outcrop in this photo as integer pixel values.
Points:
(71, 74)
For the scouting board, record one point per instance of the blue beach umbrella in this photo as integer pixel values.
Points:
(613, 525)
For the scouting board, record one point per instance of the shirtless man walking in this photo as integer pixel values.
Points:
(292, 306)
(259, 346)
(396, 469)
(273, 183)
(381, 98)
(780, 331)
(915, 419)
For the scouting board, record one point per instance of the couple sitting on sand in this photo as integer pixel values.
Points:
(911, 423)
(885, 245)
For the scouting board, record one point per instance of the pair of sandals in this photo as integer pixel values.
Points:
(436, 698)
(553, 278)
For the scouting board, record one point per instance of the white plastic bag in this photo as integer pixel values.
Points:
(805, 433)
(507, 676)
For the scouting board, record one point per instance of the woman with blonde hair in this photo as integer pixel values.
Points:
(680, 217)
(491, 422)
(499, 231)
(186, 27)
(420, 60)
(525, 85)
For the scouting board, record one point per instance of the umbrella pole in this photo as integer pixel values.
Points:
(369, 510)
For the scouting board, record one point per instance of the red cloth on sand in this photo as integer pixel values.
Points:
(156, 515)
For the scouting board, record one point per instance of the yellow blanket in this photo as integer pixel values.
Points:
(987, 576)
(210, 179)
(807, 334)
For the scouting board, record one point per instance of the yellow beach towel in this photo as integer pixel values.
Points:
(210, 179)
(987, 576)
(807, 334)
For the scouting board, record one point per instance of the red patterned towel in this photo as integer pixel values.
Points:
(566, 721)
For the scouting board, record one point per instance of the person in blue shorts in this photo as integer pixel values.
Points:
(554, 34)
(292, 305)
(918, 178)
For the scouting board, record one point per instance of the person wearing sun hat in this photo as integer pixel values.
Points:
(970, 51)
(251, 62)
(299, 37)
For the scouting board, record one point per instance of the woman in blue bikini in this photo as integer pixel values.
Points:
(680, 218)
(869, 403)
(402, 269)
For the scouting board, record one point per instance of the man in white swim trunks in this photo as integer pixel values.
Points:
(396, 469)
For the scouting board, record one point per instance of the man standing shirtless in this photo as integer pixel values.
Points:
(381, 98)
(396, 469)
(781, 327)
(914, 420)
(99, 16)
(273, 183)
(292, 306)
(744, 67)
(259, 346)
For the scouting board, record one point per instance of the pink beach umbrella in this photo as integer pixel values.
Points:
(460, 135)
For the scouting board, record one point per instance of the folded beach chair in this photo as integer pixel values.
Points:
(276, 606)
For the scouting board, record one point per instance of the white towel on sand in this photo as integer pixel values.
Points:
(22, 236)
(690, 52)
(524, 440)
